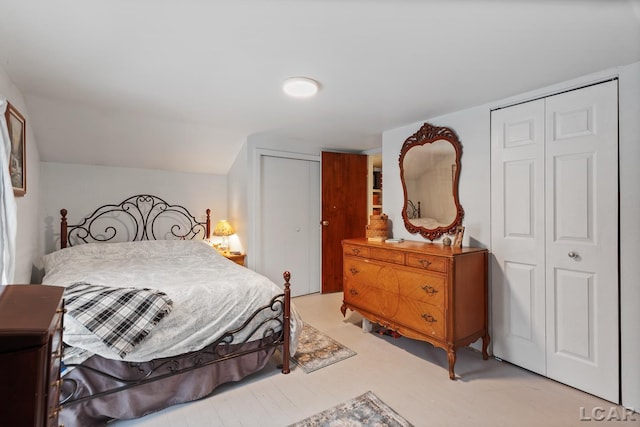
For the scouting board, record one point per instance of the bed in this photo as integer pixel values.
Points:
(414, 213)
(209, 320)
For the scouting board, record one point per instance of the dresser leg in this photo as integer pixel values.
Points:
(343, 309)
(451, 355)
(485, 343)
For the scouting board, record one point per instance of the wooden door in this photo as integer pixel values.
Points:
(582, 239)
(344, 211)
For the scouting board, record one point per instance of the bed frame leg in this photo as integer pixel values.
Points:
(287, 323)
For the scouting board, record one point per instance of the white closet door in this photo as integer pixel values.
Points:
(289, 234)
(555, 237)
(582, 239)
(518, 276)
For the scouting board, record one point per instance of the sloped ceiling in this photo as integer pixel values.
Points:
(181, 84)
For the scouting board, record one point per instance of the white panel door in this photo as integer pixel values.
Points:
(517, 200)
(582, 239)
(289, 234)
(554, 166)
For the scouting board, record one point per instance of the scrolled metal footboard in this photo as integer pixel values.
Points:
(269, 331)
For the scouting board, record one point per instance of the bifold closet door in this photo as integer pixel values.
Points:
(555, 237)
(518, 235)
(582, 239)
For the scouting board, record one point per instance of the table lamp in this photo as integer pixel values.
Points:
(224, 229)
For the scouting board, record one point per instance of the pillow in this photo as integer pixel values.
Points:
(127, 250)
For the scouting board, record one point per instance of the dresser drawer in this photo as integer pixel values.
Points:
(427, 262)
(56, 334)
(427, 287)
(380, 276)
(53, 389)
(388, 255)
(355, 293)
(421, 316)
(371, 299)
(355, 250)
(361, 270)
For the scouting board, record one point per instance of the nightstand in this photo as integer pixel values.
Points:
(237, 258)
(30, 354)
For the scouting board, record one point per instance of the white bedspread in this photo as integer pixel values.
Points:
(210, 293)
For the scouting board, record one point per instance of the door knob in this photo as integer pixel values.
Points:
(324, 223)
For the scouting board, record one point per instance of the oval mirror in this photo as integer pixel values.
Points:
(429, 171)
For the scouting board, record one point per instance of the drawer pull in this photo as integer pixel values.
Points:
(61, 310)
(356, 251)
(57, 354)
(429, 318)
(354, 271)
(353, 292)
(54, 412)
(56, 383)
(430, 290)
(425, 263)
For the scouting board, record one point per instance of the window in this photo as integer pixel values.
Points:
(8, 213)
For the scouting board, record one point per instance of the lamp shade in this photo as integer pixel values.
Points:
(223, 228)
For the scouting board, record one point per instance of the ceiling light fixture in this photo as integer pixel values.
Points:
(300, 87)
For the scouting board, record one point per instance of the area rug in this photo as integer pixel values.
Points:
(317, 350)
(363, 411)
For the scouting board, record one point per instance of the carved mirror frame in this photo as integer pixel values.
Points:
(429, 134)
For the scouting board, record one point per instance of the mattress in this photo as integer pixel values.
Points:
(210, 294)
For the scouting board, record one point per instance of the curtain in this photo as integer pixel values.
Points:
(8, 209)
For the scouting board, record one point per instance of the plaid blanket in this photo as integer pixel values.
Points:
(121, 317)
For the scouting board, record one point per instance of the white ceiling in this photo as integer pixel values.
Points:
(181, 84)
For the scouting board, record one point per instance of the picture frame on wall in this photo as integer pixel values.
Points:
(18, 157)
(457, 241)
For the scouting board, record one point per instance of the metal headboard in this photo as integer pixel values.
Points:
(140, 217)
(413, 211)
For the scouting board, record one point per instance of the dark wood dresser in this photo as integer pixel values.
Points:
(30, 353)
(424, 291)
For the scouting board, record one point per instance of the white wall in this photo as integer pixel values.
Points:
(629, 101)
(82, 188)
(473, 129)
(238, 201)
(29, 238)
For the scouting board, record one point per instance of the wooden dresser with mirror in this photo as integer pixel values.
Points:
(424, 291)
